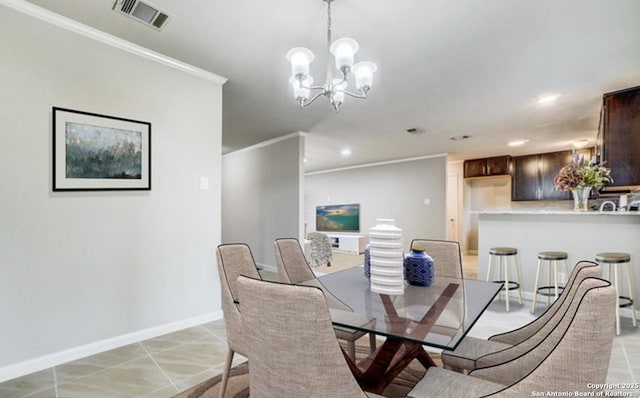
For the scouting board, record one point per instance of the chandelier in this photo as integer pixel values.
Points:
(343, 51)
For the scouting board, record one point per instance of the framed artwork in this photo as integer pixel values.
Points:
(93, 152)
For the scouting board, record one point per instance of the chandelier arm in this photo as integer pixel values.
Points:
(362, 95)
(313, 87)
(344, 79)
(304, 104)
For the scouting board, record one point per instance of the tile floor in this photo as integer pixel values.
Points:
(165, 365)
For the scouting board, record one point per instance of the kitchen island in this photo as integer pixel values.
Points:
(580, 234)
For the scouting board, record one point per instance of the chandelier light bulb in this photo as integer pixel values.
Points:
(301, 87)
(339, 87)
(300, 59)
(364, 75)
(344, 51)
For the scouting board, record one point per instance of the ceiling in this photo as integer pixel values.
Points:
(471, 67)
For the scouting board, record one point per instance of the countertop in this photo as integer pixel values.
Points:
(558, 212)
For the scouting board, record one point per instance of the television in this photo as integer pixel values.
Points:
(338, 218)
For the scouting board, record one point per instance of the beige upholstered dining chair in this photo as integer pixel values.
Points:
(472, 352)
(320, 253)
(573, 357)
(311, 365)
(293, 268)
(447, 262)
(233, 260)
(445, 254)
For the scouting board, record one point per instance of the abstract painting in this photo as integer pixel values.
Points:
(99, 152)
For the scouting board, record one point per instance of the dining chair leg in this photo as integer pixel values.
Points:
(351, 350)
(225, 373)
(372, 342)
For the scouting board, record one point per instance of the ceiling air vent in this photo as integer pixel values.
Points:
(143, 12)
(416, 131)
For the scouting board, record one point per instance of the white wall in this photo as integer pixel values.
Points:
(81, 268)
(261, 195)
(483, 194)
(393, 190)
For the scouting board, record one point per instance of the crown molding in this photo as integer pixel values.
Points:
(111, 40)
(267, 142)
(360, 166)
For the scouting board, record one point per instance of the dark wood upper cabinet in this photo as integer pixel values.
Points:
(525, 183)
(550, 164)
(533, 175)
(498, 165)
(621, 136)
(485, 167)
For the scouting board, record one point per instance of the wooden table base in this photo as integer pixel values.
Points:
(383, 365)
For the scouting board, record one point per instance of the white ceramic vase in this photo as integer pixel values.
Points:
(386, 258)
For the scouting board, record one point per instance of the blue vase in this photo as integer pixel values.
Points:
(418, 268)
(367, 261)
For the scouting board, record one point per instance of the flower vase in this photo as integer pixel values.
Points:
(581, 198)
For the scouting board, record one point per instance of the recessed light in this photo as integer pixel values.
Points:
(304, 160)
(518, 143)
(345, 152)
(580, 143)
(548, 99)
(459, 137)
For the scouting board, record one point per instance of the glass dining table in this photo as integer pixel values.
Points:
(438, 316)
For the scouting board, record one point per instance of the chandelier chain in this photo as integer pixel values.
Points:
(329, 16)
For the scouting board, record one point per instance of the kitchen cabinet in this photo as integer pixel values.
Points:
(494, 166)
(620, 136)
(526, 178)
(533, 175)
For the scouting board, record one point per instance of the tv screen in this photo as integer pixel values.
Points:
(338, 218)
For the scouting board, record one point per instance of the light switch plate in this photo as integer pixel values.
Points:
(204, 183)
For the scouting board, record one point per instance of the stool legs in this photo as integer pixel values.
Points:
(503, 264)
(615, 281)
(630, 287)
(535, 287)
(615, 278)
(518, 276)
(556, 286)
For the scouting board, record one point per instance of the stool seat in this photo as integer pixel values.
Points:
(553, 255)
(613, 257)
(503, 251)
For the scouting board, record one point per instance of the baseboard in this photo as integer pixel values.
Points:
(72, 354)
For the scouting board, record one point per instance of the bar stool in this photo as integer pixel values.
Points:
(613, 259)
(551, 258)
(505, 253)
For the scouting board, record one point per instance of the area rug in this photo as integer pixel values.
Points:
(238, 385)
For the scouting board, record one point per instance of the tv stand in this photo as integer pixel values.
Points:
(348, 243)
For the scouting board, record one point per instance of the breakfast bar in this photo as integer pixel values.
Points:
(580, 234)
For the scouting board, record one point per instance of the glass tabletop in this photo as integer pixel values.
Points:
(439, 315)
